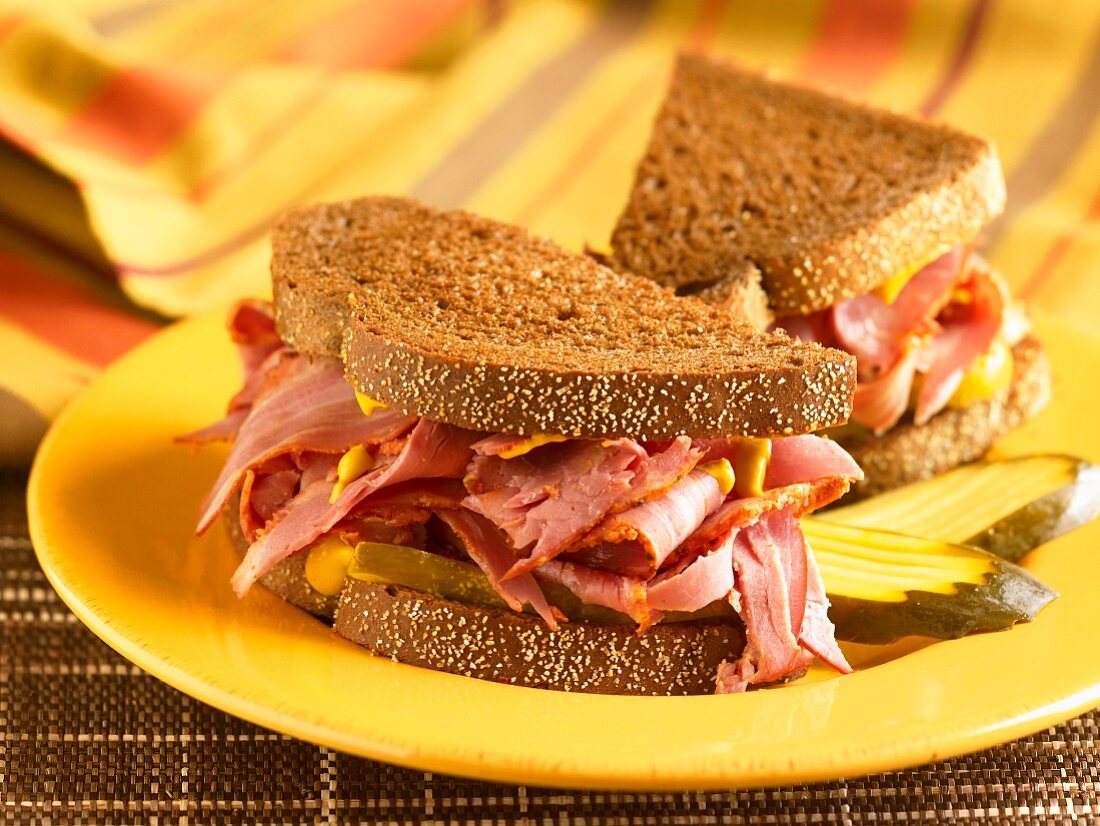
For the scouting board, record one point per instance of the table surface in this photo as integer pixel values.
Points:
(87, 737)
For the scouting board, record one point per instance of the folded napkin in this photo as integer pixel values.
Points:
(149, 144)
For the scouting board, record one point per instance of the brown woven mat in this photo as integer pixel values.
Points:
(86, 737)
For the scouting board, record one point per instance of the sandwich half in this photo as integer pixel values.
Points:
(477, 452)
(852, 226)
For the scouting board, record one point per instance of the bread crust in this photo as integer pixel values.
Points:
(909, 452)
(519, 649)
(479, 324)
(827, 196)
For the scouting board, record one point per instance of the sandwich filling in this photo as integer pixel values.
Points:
(646, 529)
(934, 338)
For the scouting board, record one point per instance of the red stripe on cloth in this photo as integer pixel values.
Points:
(372, 35)
(1058, 251)
(856, 41)
(64, 315)
(957, 68)
(140, 110)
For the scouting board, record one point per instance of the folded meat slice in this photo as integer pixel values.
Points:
(490, 551)
(768, 602)
(224, 429)
(547, 500)
(780, 597)
(265, 492)
(595, 587)
(292, 529)
(882, 401)
(818, 635)
(875, 331)
(796, 459)
(696, 583)
(801, 498)
(251, 325)
(431, 450)
(969, 329)
(637, 541)
(312, 408)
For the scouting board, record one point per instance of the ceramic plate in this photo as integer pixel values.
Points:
(112, 505)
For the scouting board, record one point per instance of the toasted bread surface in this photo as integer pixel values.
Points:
(826, 196)
(909, 452)
(479, 324)
(519, 649)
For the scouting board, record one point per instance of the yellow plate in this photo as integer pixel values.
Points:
(112, 505)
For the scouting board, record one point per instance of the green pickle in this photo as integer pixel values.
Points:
(462, 582)
(422, 571)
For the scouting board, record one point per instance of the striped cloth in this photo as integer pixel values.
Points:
(150, 143)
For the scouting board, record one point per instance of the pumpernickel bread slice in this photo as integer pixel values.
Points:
(493, 644)
(479, 324)
(826, 196)
(519, 649)
(909, 452)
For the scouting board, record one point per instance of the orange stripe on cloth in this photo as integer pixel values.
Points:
(1058, 251)
(140, 111)
(370, 34)
(64, 316)
(857, 40)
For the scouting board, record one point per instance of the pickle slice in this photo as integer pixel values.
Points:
(1007, 507)
(883, 585)
(463, 582)
(422, 571)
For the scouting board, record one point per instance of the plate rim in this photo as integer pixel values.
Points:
(902, 756)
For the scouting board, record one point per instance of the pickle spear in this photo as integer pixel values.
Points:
(451, 579)
(1007, 506)
(883, 585)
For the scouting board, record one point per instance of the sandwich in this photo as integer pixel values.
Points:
(474, 451)
(800, 209)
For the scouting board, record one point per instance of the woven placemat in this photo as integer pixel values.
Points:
(86, 737)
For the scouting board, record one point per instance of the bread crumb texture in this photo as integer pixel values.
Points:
(480, 324)
(518, 649)
(825, 196)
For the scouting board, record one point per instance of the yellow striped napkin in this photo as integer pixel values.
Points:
(149, 144)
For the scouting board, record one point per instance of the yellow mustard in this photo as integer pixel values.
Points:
(891, 288)
(327, 565)
(990, 372)
(750, 465)
(530, 443)
(353, 464)
(722, 471)
(367, 404)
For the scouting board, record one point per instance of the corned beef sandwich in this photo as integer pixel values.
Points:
(480, 453)
(851, 226)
